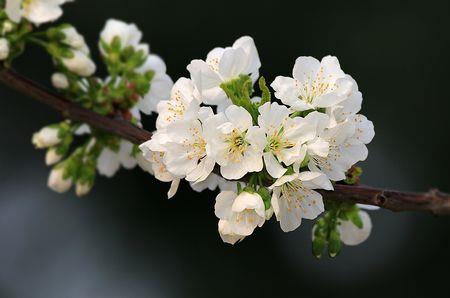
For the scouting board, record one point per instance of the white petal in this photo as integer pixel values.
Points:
(125, 155)
(224, 203)
(108, 163)
(239, 117)
(315, 180)
(203, 76)
(248, 45)
(305, 69)
(173, 188)
(273, 167)
(154, 63)
(271, 116)
(319, 147)
(160, 87)
(232, 64)
(251, 201)
(312, 205)
(40, 12)
(13, 9)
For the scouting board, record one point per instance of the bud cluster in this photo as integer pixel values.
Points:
(135, 83)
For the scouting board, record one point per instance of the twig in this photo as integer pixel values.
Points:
(433, 201)
(70, 110)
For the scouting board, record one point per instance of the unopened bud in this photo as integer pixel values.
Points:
(80, 64)
(46, 137)
(60, 81)
(57, 182)
(7, 27)
(52, 157)
(4, 49)
(75, 40)
(82, 189)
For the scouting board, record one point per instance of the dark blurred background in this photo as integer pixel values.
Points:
(127, 240)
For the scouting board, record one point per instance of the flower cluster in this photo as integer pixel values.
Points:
(270, 156)
(213, 132)
(136, 82)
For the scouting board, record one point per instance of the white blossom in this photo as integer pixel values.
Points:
(336, 149)
(60, 81)
(233, 141)
(223, 65)
(35, 11)
(46, 137)
(57, 182)
(293, 198)
(315, 84)
(285, 138)
(128, 34)
(239, 214)
(80, 64)
(350, 106)
(4, 49)
(351, 234)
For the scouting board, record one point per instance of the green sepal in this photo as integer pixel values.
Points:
(265, 96)
(265, 195)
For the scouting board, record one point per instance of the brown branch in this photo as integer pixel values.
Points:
(433, 201)
(71, 110)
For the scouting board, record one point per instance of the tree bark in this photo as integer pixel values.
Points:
(433, 201)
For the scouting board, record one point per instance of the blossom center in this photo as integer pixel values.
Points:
(276, 142)
(314, 87)
(237, 145)
(26, 5)
(197, 147)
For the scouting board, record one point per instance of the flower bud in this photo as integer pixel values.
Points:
(125, 34)
(75, 40)
(46, 137)
(80, 64)
(52, 157)
(60, 81)
(82, 189)
(4, 49)
(57, 182)
(7, 27)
